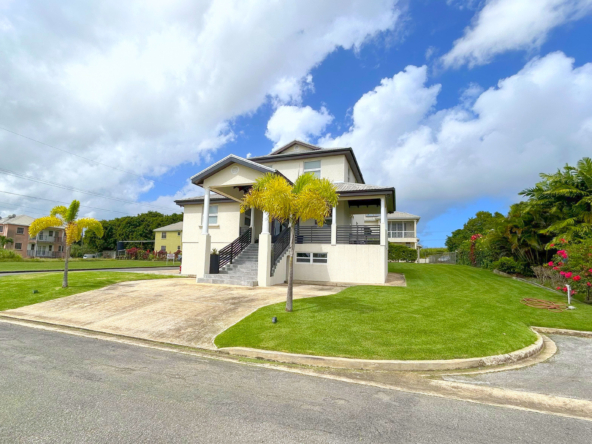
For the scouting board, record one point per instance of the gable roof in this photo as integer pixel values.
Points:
(199, 199)
(21, 219)
(318, 152)
(172, 227)
(291, 144)
(223, 163)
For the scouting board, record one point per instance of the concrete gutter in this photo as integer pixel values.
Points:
(389, 365)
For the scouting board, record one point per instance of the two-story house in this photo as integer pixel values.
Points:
(168, 238)
(253, 248)
(402, 227)
(49, 243)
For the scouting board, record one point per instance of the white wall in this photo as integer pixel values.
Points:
(332, 167)
(359, 264)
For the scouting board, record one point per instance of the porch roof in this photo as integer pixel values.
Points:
(347, 189)
(199, 178)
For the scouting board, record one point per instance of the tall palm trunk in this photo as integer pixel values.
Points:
(65, 281)
(291, 255)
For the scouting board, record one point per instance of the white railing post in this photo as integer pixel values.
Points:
(206, 212)
(383, 221)
(334, 226)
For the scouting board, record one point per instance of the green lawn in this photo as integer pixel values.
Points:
(79, 264)
(17, 291)
(445, 312)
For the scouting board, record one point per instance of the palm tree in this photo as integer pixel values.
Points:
(308, 198)
(5, 241)
(66, 217)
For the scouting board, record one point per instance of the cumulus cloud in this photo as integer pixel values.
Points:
(493, 144)
(149, 85)
(505, 25)
(292, 122)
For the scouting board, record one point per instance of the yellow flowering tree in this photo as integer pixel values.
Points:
(308, 198)
(61, 216)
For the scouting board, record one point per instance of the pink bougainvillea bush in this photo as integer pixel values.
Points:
(572, 265)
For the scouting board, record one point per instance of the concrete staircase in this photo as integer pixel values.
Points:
(242, 271)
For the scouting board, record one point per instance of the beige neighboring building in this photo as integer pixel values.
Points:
(402, 227)
(253, 248)
(49, 243)
(169, 238)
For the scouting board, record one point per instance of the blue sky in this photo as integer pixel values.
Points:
(459, 104)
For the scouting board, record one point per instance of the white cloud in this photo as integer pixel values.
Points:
(292, 122)
(493, 144)
(148, 85)
(505, 25)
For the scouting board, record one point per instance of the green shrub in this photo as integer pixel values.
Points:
(507, 265)
(9, 256)
(401, 253)
(80, 250)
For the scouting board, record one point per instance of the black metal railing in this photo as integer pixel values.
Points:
(313, 234)
(233, 249)
(282, 242)
(358, 234)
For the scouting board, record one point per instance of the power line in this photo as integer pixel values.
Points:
(96, 162)
(59, 201)
(12, 205)
(66, 187)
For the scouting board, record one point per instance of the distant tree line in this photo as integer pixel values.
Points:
(556, 210)
(127, 228)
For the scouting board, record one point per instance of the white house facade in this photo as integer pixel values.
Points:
(252, 248)
(401, 230)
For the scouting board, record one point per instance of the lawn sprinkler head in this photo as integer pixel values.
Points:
(274, 320)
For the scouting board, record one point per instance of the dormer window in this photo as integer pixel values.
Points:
(313, 167)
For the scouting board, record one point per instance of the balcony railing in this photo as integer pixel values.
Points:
(358, 234)
(45, 254)
(313, 234)
(47, 238)
(401, 234)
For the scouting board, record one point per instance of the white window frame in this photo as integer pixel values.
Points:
(213, 215)
(163, 235)
(20, 230)
(316, 171)
(313, 258)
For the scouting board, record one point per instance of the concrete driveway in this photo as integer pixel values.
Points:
(176, 311)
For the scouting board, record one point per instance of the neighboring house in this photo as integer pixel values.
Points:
(49, 243)
(169, 238)
(340, 251)
(402, 227)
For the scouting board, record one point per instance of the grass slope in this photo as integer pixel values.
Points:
(445, 312)
(17, 291)
(81, 264)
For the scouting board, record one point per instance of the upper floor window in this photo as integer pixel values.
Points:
(401, 229)
(51, 234)
(248, 219)
(213, 215)
(163, 235)
(1, 228)
(20, 230)
(314, 167)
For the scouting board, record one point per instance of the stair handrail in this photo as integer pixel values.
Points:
(282, 241)
(233, 249)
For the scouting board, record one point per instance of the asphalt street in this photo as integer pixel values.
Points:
(61, 388)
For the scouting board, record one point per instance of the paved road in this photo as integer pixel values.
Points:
(59, 388)
(566, 374)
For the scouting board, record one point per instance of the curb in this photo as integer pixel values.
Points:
(84, 269)
(562, 331)
(389, 365)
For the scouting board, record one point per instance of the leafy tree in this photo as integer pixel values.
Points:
(566, 197)
(67, 217)
(138, 227)
(482, 223)
(5, 241)
(308, 198)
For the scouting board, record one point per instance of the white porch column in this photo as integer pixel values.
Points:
(334, 226)
(205, 222)
(205, 242)
(252, 225)
(383, 221)
(264, 265)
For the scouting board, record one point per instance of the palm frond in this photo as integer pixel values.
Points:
(42, 223)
